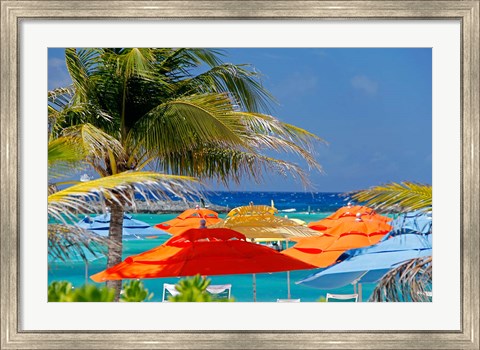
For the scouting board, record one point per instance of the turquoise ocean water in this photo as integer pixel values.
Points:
(270, 287)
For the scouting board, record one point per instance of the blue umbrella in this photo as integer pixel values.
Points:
(370, 264)
(412, 222)
(132, 229)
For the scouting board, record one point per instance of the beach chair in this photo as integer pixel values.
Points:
(218, 291)
(288, 300)
(342, 298)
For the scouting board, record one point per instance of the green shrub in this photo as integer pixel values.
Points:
(57, 291)
(92, 293)
(134, 291)
(64, 292)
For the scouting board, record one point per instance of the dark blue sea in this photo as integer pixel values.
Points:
(316, 202)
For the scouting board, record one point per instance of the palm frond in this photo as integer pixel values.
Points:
(59, 102)
(70, 242)
(278, 144)
(296, 133)
(86, 70)
(98, 146)
(80, 64)
(225, 164)
(134, 62)
(123, 67)
(74, 114)
(87, 197)
(240, 81)
(61, 96)
(183, 123)
(410, 281)
(64, 149)
(267, 124)
(64, 155)
(212, 118)
(176, 63)
(404, 196)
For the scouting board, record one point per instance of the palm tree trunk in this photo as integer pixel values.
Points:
(114, 255)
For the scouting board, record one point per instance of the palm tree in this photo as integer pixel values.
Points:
(408, 281)
(158, 109)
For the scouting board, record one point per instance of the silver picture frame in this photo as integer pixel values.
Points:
(467, 12)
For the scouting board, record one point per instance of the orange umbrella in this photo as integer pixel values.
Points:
(347, 214)
(190, 218)
(216, 251)
(351, 210)
(324, 250)
(359, 225)
(325, 224)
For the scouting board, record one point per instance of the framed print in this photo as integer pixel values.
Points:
(448, 31)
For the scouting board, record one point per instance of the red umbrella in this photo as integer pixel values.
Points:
(218, 251)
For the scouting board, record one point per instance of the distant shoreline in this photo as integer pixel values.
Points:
(166, 207)
(223, 202)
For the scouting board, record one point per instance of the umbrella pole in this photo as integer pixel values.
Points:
(288, 277)
(254, 287)
(360, 292)
(288, 285)
(86, 272)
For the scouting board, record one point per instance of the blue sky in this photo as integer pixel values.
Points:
(372, 106)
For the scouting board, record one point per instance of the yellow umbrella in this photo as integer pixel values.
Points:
(260, 223)
(298, 221)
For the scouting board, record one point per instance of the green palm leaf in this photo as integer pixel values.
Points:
(80, 65)
(61, 96)
(241, 83)
(224, 164)
(211, 118)
(63, 156)
(133, 62)
(87, 197)
(405, 196)
(183, 59)
(407, 282)
(101, 150)
(182, 123)
(285, 146)
(64, 149)
(69, 242)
